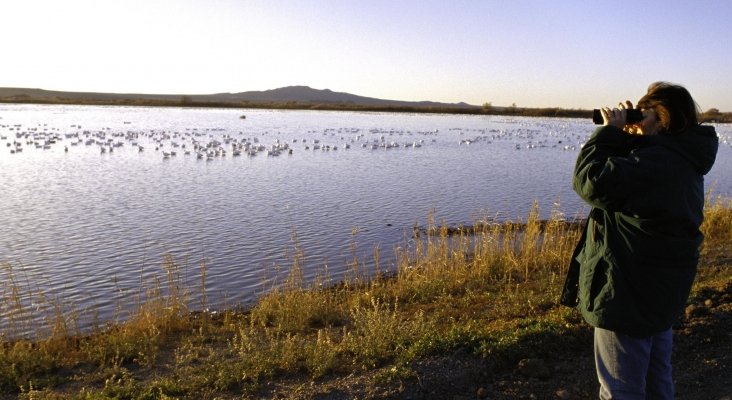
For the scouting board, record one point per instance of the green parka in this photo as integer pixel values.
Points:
(633, 269)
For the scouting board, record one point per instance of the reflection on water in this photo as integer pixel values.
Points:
(92, 197)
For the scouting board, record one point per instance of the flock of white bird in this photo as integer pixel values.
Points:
(212, 143)
(202, 143)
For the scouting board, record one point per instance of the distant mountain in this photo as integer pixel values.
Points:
(306, 94)
(299, 94)
(41, 94)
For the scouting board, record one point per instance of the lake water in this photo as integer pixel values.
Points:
(87, 215)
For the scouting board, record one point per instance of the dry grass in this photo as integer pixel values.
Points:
(490, 289)
(717, 225)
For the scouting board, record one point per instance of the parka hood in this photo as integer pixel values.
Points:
(698, 145)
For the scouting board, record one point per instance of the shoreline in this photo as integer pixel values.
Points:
(550, 112)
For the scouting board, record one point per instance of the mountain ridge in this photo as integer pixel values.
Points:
(297, 93)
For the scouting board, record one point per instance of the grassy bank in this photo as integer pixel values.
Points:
(490, 290)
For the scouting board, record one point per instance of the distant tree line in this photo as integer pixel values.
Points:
(711, 115)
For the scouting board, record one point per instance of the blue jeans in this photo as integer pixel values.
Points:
(634, 368)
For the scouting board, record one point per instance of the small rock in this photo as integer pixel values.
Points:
(563, 394)
(482, 393)
(708, 302)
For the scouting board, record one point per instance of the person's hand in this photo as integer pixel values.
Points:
(633, 129)
(616, 116)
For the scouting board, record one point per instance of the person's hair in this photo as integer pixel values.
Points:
(675, 109)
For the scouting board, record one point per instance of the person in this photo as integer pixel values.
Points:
(632, 270)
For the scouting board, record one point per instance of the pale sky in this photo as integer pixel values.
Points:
(540, 53)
